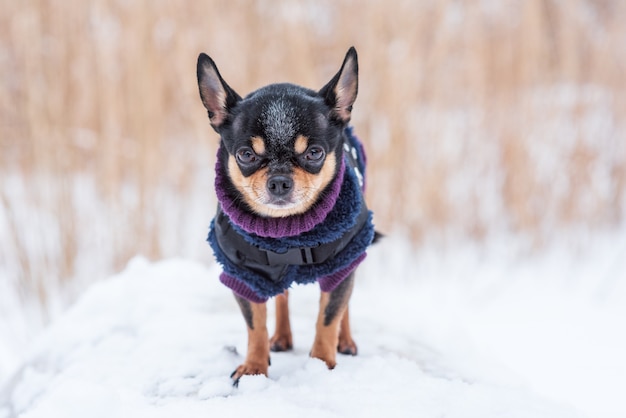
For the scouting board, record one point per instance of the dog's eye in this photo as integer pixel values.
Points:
(246, 156)
(314, 154)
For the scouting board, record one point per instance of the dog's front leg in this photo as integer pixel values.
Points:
(332, 307)
(257, 358)
(346, 343)
(282, 339)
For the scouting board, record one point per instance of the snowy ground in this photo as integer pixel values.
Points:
(475, 335)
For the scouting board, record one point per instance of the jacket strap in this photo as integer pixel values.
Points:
(241, 252)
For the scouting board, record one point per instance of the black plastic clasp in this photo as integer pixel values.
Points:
(293, 256)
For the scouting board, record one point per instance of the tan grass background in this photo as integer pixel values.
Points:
(480, 117)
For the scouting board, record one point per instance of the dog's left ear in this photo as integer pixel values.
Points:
(340, 92)
(217, 96)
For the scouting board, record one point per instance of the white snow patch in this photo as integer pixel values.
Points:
(161, 340)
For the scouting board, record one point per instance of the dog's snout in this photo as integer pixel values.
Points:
(279, 185)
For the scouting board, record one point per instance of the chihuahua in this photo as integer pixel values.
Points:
(289, 179)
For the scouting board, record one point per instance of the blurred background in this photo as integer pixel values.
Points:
(482, 119)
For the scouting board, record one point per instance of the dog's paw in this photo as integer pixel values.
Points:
(248, 369)
(326, 354)
(281, 343)
(347, 346)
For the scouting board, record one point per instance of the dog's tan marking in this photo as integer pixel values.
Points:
(252, 188)
(282, 339)
(258, 145)
(333, 306)
(326, 336)
(234, 173)
(307, 188)
(301, 144)
(346, 344)
(257, 358)
(312, 184)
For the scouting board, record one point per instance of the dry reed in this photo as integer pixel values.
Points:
(479, 116)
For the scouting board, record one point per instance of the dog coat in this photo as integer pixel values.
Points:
(262, 256)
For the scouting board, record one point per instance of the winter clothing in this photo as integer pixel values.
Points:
(262, 256)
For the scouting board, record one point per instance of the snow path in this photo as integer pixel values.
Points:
(161, 340)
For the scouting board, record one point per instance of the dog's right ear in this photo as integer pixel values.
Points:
(217, 96)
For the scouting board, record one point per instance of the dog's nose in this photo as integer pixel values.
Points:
(279, 185)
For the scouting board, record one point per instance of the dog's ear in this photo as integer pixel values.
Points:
(340, 92)
(217, 96)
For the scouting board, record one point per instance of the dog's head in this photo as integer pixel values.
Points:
(283, 142)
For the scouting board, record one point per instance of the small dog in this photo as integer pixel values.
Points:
(289, 181)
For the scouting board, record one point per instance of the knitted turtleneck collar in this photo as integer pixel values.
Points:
(276, 227)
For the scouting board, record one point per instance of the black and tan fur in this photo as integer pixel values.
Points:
(283, 145)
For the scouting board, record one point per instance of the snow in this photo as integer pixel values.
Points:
(468, 334)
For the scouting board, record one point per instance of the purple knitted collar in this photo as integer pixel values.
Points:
(276, 227)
